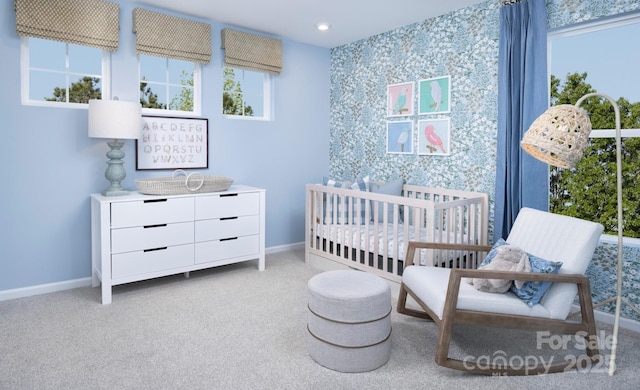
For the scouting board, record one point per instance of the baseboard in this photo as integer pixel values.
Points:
(609, 318)
(283, 248)
(23, 292)
(44, 289)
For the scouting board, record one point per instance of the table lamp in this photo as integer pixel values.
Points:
(116, 120)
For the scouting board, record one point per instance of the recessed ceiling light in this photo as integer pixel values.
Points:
(322, 26)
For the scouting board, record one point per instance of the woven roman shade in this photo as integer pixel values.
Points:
(171, 37)
(92, 23)
(253, 52)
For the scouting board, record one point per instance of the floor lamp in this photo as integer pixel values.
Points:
(558, 137)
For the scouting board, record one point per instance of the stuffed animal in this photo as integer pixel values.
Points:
(508, 258)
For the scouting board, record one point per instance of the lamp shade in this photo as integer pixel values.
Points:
(559, 136)
(114, 119)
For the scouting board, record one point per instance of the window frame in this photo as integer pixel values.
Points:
(25, 70)
(267, 98)
(197, 90)
(583, 28)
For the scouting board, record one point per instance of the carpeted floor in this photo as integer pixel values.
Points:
(234, 327)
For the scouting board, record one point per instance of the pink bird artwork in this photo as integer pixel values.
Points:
(434, 139)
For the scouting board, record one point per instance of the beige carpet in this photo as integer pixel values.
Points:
(237, 328)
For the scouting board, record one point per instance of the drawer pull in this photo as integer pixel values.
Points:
(225, 195)
(155, 226)
(229, 239)
(154, 200)
(228, 218)
(156, 249)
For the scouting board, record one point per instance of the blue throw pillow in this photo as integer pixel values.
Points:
(531, 292)
(393, 187)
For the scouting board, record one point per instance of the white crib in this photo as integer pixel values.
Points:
(368, 231)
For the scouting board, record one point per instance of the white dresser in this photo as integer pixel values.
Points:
(136, 237)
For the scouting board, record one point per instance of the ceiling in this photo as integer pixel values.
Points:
(350, 20)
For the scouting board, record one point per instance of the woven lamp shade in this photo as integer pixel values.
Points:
(559, 136)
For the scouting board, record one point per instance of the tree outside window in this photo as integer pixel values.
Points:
(167, 84)
(233, 102)
(588, 191)
(60, 72)
(599, 56)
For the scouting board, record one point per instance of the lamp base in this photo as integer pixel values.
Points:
(115, 192)
(115, 172)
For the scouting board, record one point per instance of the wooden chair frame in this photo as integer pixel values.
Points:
(451, 315)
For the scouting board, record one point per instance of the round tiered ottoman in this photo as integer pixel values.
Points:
(349, 320)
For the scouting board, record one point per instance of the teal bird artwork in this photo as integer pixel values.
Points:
(400, 102)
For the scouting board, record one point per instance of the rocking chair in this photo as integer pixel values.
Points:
(447, 299)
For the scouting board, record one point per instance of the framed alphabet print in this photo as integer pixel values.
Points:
(400, 137)
(433, 137)
(400, 99)
(435, 95)
(172, 143)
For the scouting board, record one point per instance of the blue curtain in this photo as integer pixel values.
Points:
(523, 94)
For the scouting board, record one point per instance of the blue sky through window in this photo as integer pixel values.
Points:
(610, 57)
(47, 60)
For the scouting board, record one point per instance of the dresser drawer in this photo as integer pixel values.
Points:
(151, 212)
(210, 251)
(227, 205)
(215, 229)
(145, 262)
(151, 236)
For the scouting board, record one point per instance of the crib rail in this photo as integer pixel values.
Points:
(369, 231)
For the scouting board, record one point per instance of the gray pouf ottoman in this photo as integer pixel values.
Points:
(349, 320)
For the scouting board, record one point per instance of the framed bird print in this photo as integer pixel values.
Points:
(435, 95)
(433, 137)
(400, 99)
(400, 137)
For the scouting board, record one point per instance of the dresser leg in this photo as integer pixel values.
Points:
(186, 274)
(106, 293)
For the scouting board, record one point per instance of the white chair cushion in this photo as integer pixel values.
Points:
(552, 237)
(430, 285)
(557, 237)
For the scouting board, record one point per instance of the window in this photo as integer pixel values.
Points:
(57, 73)
(602, 57)
(246, 94)
(169, 84)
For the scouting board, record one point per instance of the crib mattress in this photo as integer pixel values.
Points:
(347, 235)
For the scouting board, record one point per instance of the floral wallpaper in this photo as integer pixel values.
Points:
(463, 45)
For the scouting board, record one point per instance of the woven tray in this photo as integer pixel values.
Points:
(181, 183)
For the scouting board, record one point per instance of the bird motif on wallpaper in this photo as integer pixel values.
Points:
(436, 95)
(402, 139)
(434, 139)
(400, 102)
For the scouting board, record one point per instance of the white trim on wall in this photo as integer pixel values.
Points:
(44, 289)
(86, 282)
